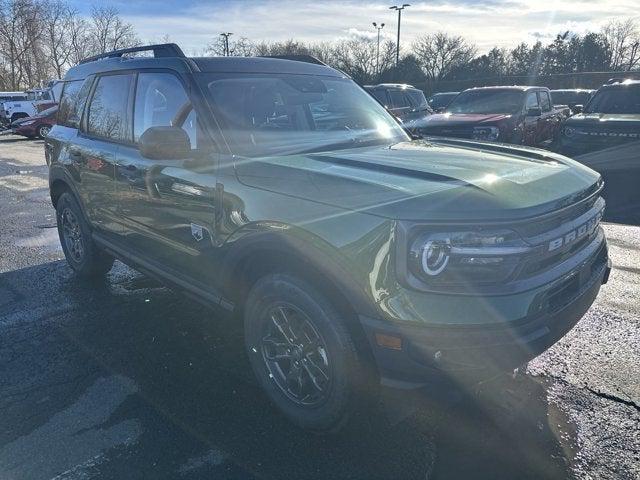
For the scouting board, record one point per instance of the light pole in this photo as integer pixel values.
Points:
(399, 9)
(226, 42)
(378, 27)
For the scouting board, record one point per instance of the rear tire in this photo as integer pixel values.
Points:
(301, 352)
(82, 254)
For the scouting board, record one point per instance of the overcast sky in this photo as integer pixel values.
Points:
(505, 23)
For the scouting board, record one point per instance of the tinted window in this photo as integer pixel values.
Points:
(441, 100)
(545, 102)
(487, 101)
(74, 96)
(162, 101)
(398, 99)
(532, 101)
(380, 95)
(108, 107)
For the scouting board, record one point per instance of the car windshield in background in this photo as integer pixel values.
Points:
(441, 100)
(569, 97)
(623, 100)
(487, 101)
(264, 115)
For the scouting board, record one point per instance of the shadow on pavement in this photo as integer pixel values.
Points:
(192, 409)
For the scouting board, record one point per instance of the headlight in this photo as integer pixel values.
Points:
(486, 133)
(570, 132)
(465, 257)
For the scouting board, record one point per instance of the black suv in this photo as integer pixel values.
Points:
(281, 192)
(611, 118)
(403, 101)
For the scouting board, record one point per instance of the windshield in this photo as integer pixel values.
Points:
(441, 100)
(624, 100)
(487, 101)
(570, 97)
(269, 114)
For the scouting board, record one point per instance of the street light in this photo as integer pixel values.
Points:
(399, 9)
(226, 42)
(380, 27)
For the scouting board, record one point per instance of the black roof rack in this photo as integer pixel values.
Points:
(159, 50)
(297, 58)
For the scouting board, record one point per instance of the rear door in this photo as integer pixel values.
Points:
(104, 127)
(400, 105)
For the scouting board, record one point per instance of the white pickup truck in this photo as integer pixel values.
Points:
(37, 100)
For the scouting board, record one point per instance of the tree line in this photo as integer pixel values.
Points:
(41, 39)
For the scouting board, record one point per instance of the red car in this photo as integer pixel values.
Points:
(36, 126)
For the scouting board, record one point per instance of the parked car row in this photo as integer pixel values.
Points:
(31, 113)
(573, 122)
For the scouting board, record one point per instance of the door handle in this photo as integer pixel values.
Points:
(75, 155)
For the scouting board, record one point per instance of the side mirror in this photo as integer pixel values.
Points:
(576, 108)
(534, 112)
(165, 143)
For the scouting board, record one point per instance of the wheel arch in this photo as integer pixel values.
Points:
(264, 253)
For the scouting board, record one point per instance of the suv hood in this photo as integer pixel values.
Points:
(443, 181)
(602, 120)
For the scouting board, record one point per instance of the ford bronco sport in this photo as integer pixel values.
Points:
(281, 191)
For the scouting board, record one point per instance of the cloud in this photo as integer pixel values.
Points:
(487, 23)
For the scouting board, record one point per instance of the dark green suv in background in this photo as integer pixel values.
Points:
(279, 190)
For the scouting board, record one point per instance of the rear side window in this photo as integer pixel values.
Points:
(108, 108)
(545, 102)
(74, 96)
(161, 101)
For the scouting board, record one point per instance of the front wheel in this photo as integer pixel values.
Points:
(301, 352)
(81, 252)
(43, 131)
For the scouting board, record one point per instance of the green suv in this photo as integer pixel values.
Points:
(280, 191)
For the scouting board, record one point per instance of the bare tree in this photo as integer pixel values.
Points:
(58, 23)
(440, 52)
(623, 38)
(19, 36)
(109, 32)
(240, 47)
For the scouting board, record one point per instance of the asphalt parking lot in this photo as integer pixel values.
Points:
(127, 379)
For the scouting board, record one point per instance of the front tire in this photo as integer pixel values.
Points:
(43, 131)
(301, 352)
(81, 252)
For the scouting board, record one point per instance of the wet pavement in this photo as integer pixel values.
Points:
(127, 379)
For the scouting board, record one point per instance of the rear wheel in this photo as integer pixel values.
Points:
(81, 252)
(301, 352)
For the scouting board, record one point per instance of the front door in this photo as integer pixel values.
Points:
(167, 206)
(532, 123)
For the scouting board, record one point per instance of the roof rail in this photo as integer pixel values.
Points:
(297, 58)
(159, 50)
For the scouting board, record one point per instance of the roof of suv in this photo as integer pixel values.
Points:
(203, 64)
(523, 88)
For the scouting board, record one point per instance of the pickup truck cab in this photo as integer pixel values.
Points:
(282, 194)
(520, 115)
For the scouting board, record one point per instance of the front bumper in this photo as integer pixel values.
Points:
(470, 353)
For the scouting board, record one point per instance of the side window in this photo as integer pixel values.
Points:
(161, 100)
(381, 96)
(398, 99)
(532, 100)
(545, 102)
(74, 96)
(108, 107)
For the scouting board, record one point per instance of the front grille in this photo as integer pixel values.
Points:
(565, 240)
